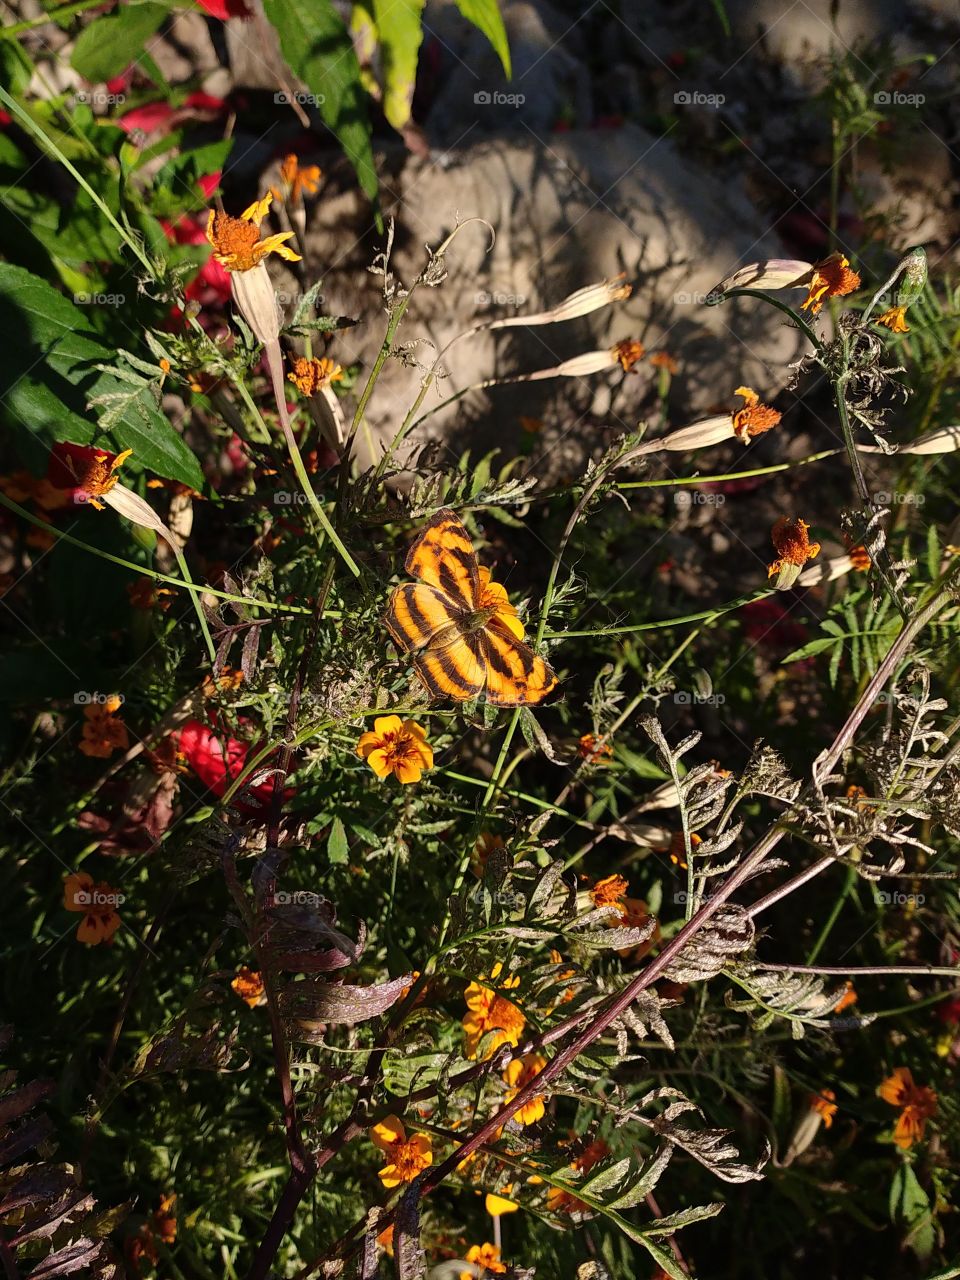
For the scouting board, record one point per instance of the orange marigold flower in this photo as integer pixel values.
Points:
(824, 1104)
(487, 1258)
(894, 320)
(492, 1015)
(248, 985)
(609, 891)
(145, 594)
(406, 1157)
(832, 278)
(486, 843)
(98, 903)
(593, 748)
(166, 756)
(917, 1103)
(295, 179)
(236, 241)
(518, 1074)
(86, 472)
(664, 360)
(563, 976)
(847, 1000)
(859, 559)
(310, 375)
(628, 353)
(754, 418)
(103, 733)
(561, 1201)
(791, 541)
(229, 679)
(396, 746)
(385, 1240)
(678, 848)
(165, 1220)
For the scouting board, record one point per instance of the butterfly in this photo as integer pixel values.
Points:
(462, 629)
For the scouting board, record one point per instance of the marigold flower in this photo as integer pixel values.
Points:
(310, 375)
(847, 1000)
(396, 746)
(609, 891)
(248, 985)
(385, 1240)
(593, 748)
(824, 1104)
(894, 320)
(791, 541)
(103, 733)
(486, 843)
(561, 1201)
(917, 1103)
(406, 1157)
(678, 848)
(492, 1015)
(228, 680)
(89, 474)
(628, 352)
(859, 559)
(754, 418)
(165, 1220)
(236, 241)
(295, 179)
(497, 1206)
(146, 594)
(98, 902)
(664, 360)
(832, 278)
(519, 1073)
(487, 1258)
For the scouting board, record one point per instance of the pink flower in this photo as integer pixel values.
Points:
(224, 9)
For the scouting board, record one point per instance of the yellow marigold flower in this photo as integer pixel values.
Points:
(609, 891)
(664, 360)
(628, 353)
(832, 278)
(487, 1258)
(518, 1074)
(492, 1015)
(493, 595)
(894, 320)
(790, 539)
(248, 985)
(847, 1000)
(396, 746)
(593, 748)
(496, 1206)
(295, 179)
(824, 1104)
(406, 1157)
(236, 241)
(103, 733)
(917, 1103)
(98, 903)
(310, 375)
(678, 848)
(754, 418)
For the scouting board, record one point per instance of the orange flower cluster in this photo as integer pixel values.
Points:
(832, 278)
(824, 1104)
(754, 418)
(628, 353)
(103, 732)
(917, 1104)
(310, 375)
(593, 748)
(98, 903)
(492, 1015)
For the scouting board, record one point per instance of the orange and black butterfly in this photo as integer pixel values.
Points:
(462, 629)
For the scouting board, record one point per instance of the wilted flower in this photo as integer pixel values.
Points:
(487, 1258)
(754, 418)
(518, 1074)
(98, 903)
(849, 997)
(406, 1157)
(790, 538)
(917, 1103)
(310, 375)
(824, 1104)
(492, 1015)
(894, 320)
(89, 475)
(581, 303)
(396, 746)
(295, 179)
(831, 277)
(236, 241)
(590, 747)
(248, 985)
(103, 733)
(609, 891)
(628, 352)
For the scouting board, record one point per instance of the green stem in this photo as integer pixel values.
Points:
(833, 916)
(197, 603)
(666, 622)
(730, 475)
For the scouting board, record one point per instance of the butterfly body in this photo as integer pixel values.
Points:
(465, 635)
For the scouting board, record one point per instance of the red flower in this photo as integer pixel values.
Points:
(217, 762)
(768, 623)
(948, 1011)
(224, 9)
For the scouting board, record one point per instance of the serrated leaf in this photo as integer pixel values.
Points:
(48, 373)
(312, 1004)
(318, 49)
(486, 17)
(810, 650)
(112, 43)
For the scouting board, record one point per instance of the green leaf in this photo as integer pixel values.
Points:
(809, 650)
(338, 850)
(486, 17)
(400, 31)
(109, 45)
(48, 375)
(318, 49)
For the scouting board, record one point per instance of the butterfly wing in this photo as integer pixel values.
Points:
(452, 666)
(443, 557)
(515, 675)
(417, 614)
